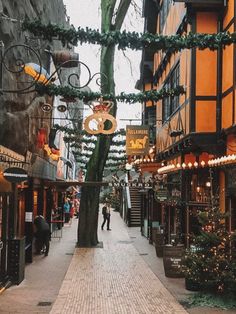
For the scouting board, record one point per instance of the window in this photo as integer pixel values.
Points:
(170, 104)
(150, 119)
(163, 13)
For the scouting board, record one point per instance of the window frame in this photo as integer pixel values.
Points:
(171, 104)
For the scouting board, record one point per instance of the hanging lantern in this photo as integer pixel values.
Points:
(99, 117)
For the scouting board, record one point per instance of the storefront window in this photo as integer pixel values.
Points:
(200, 189)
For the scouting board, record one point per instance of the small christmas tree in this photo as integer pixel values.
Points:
(210, 262)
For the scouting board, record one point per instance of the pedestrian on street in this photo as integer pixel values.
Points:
(66, 208)
(42, 235)
(106, 211)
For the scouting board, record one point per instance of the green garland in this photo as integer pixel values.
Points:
(120, 151)
(118, 143)
(75, 133)
(117, 163)
(115, 143)
(87, 154)
(132, 40)
(132, 98)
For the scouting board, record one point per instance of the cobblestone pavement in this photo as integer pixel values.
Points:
(113, 279)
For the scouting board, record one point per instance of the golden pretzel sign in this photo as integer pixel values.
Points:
(100, 116)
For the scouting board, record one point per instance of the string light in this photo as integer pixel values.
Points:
(211, 163)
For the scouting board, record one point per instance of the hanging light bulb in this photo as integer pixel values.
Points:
(203, 163)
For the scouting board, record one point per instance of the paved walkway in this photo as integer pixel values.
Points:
(43, 278)
(113, 279)
(123, 277)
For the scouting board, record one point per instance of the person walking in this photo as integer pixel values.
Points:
(42, 235)
(106, 212)
(66, 208)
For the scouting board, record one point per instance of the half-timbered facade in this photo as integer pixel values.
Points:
(195, 132)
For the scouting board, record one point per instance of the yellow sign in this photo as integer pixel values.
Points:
(137, 140)
(98, 118)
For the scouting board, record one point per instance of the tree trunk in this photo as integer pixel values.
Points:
(89, 205)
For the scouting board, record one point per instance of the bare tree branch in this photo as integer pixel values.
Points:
(137, 8)
(121, 13)
(130, 63)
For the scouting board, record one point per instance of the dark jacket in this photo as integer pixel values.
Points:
(42, 227)
(104, 210)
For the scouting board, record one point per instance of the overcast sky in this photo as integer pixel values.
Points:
(87, 13)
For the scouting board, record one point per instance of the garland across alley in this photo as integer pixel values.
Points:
(132, 40)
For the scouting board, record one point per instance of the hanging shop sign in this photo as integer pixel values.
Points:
(137, 140)
(161, 195)
(131, 184)
(15, 175)
(101, 122)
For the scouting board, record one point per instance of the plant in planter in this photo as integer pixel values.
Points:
(209, 263)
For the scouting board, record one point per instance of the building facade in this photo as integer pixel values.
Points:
(195, 133)
(30, 144)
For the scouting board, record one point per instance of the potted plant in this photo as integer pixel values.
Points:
(209, 262)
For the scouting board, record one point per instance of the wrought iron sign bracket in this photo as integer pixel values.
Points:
(32, 68)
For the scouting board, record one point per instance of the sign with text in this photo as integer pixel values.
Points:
(161, 195)
(131, 184)
(137, 140)
(15, 175)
